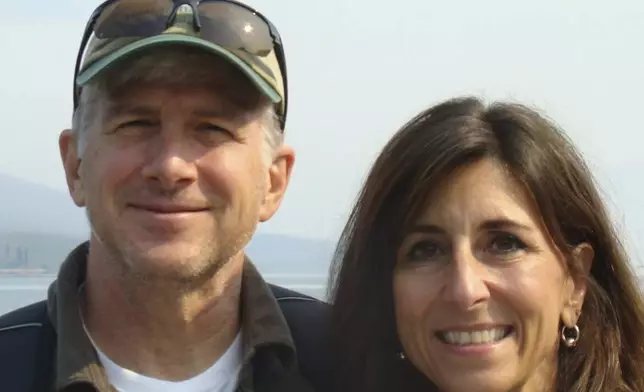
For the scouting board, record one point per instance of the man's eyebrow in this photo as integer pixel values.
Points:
(113, 110)
(213, 112)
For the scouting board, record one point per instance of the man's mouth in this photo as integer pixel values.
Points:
(169, 208)
(480, 336)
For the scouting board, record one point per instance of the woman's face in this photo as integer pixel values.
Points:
(480, 289)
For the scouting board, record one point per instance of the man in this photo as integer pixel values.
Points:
(176, 154)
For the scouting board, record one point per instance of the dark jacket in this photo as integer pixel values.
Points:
(43, 347)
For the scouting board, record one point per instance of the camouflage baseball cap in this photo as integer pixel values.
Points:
(264, 71)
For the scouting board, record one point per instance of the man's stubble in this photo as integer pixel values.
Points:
(208, 259)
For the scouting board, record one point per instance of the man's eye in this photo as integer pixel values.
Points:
(211, 127)
(137, 123)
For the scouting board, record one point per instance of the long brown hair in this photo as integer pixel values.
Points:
(610, 353)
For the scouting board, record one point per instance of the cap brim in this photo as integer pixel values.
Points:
(96, 68)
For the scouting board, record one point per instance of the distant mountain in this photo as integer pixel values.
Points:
(33, 208)
(39, 226)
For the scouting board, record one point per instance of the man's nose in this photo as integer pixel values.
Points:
(170, 162)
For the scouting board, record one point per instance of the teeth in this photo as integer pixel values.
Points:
(463, 338)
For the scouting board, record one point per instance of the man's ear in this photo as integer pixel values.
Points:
(583, 256)
(68, 146)
(279, 175)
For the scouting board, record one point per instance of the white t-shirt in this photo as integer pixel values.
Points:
(220, 377)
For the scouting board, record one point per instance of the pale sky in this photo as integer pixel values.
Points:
(358, 69)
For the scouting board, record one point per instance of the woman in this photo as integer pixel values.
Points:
(480, 257)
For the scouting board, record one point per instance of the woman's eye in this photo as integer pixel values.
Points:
(504, 243)
(425, 251)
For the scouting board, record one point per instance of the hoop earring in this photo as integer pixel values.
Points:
(570, 335)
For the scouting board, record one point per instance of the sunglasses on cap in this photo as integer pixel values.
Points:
(227, 27)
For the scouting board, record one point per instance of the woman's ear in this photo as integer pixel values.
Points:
(582, 256)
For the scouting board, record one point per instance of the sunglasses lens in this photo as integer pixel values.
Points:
(226, 24)
(133, 18)
(235, 27)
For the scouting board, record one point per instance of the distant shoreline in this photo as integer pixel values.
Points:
(304, 278)
(25, 273)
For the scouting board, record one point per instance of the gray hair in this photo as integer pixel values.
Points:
(171, 65)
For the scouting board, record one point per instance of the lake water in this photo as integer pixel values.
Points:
(20, 291)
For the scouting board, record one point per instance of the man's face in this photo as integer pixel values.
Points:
(175, 178)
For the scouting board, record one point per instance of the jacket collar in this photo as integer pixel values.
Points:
(263, 325)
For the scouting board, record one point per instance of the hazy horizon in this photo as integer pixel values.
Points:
(358, 71)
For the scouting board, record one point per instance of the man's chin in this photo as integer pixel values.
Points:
(170, 260)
